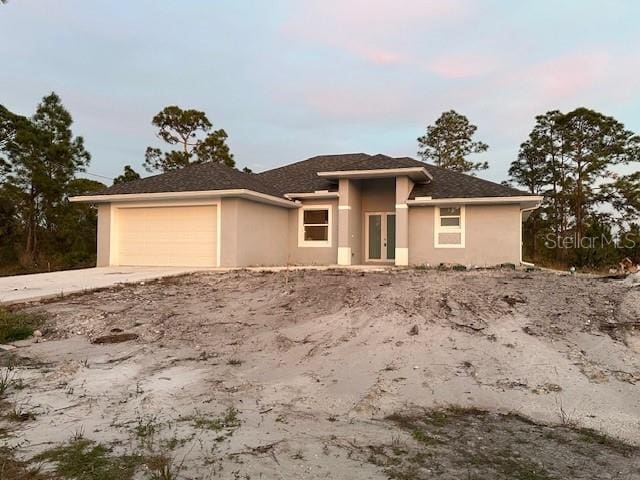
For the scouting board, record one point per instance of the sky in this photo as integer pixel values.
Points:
(290, 79)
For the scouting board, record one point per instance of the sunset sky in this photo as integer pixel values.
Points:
(292, 79)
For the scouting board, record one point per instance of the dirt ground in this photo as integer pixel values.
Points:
(485, 374)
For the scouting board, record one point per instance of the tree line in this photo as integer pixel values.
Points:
(590, 216)
(41, 163)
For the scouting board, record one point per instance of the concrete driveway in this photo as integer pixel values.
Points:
(39, 286)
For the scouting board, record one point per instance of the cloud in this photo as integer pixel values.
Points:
(383, 57)
(567, 76)
(380, 32)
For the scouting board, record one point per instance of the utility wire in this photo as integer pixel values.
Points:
(96, 175)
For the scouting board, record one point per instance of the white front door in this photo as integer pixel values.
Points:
(380, 233)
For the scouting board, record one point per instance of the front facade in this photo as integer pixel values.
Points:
(327, 210)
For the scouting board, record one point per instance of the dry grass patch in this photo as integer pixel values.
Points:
(84, 459)
(11, 468)
(459, 443)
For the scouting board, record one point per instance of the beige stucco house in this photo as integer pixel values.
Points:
(326, 210)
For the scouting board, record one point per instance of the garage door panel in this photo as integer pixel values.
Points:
(168, 236)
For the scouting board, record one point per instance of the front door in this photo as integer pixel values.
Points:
(381, 236)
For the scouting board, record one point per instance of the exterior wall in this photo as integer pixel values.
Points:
(103, 256)
(253, 234)
(313, 255)
(379, 195)
(229, 226)
(492, 236)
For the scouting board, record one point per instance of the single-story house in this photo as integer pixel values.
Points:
(331, 209)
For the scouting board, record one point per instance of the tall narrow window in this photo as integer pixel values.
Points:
(449, 228)
(315, 226)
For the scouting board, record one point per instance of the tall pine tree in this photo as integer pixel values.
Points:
(42, 157)
(189, 130)
(449, 142)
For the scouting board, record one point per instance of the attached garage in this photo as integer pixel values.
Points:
(166, 236)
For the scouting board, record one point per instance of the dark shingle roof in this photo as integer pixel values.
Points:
(303, 177)
(450, 184)
(379, 162)
(193, 178)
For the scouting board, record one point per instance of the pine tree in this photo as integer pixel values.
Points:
(449, 142)
(42, 157)
(190, 130)
(128, 175)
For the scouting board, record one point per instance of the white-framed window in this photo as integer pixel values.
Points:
(314, 226)
(449, 228)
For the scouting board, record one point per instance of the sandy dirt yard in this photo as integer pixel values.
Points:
(407, 374)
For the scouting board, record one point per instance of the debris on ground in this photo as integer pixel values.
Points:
(627, 266)
(115, 338)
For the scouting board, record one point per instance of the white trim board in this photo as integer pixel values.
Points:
(344, 255)
(204, 194)
(415, 173)
(402, 256)
(476, 200)
(316, 194)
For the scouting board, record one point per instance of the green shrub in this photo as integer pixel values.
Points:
(17, 325)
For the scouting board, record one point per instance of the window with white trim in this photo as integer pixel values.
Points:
(449, 230)
(314, 226)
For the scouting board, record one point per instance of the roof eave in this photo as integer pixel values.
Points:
(316, 194)
(192, 195)
(419, 174)
(525, 201)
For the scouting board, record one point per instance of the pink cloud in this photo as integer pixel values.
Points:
(568, 75)
(582, 77)
(383, 57)
(377, 31)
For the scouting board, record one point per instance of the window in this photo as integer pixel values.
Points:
(315, 226)
(449, 217)
(449, 228)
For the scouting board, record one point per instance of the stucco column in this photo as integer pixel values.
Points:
(403, 189)
(344, 212)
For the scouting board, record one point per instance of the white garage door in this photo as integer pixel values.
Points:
(167, 236)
